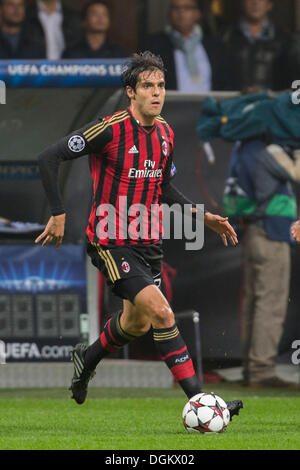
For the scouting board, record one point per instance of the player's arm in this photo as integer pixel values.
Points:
(221, 226)
(90, 139)
(171, 195)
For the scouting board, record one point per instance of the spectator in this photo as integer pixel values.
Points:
(194, 60)
(95, 43)
(53, 25)
(257, 49)
(258, 191)
(15, 40)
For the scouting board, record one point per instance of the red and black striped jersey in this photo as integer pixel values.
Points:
(130, 165)
(128, 173)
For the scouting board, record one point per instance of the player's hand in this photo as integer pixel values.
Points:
(222, 227)
(54, 231)
(295, 231)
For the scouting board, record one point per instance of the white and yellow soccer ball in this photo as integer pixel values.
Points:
(205, 413)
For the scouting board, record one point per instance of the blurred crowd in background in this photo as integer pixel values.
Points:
(201, 51)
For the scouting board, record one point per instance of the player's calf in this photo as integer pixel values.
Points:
(174, 352)
(111, 339)
(167, 338)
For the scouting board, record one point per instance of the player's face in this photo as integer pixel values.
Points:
(184, 14)
(97, 19)
(13, 12)
(149, 95)
(256, 10)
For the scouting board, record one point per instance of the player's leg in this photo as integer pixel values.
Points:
(117, 332)
(151, 303)
(132, 321)
(125, 284)
(113, 337)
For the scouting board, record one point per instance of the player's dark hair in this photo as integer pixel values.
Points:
(91, 3)
(138, 63)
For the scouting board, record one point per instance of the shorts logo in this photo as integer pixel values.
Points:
(125, 267)
(76, 143)
(164, 147)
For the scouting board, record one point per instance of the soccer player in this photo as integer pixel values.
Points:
(131, 164)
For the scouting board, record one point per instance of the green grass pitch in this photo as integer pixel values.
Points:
(140, 419)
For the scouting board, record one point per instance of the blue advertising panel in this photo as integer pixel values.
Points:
(62, 73)
(42, 295)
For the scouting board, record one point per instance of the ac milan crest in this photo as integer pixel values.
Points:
(125, 267)
(164, 147)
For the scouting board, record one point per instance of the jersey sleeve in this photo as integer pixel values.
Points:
(169, 170)
(170, 194)
(91, 138)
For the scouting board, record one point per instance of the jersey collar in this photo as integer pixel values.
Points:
(136, 122)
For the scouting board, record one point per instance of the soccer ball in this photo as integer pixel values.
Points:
(205, 413)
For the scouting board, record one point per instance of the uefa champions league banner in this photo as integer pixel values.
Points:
(61, 73)
(42, 299)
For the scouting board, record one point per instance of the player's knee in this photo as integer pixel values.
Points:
(138, 326)
(141, 328)
(162, 316)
